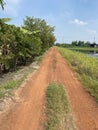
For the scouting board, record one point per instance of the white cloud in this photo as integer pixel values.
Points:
(78, 22)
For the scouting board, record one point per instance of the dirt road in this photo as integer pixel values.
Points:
(28, 114)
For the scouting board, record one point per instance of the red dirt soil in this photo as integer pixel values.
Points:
(29, 113)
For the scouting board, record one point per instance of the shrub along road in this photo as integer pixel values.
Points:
(28, 113)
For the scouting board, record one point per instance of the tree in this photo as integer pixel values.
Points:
(2, 3)
(87, 44)
(42, 29)
(4, 20)
(74, 43)
(5, 41)
(81, 43)
(18, 45)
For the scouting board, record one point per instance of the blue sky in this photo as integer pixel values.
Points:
(73, 19)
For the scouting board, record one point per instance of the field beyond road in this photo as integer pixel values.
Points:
(29, 112)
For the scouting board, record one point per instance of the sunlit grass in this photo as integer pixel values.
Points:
(57, 109)
(86, 67)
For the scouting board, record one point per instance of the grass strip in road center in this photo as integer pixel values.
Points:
(57, 108)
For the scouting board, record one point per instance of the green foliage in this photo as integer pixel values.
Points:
(56, 107)
(76, 44)
(39, 59)
(4, 20)
(2, 3)
(65, 45)
(15, 80)
(10, 85)
(86, 67)
(40, 29)
(20, 45)
(80, 43)
(6, 88)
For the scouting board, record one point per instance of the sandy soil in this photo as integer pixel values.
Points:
(28, 114)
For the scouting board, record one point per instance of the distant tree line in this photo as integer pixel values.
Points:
(77, 44)
(20, 45)
(81, 43)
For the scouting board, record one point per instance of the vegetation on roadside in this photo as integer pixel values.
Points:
(39, 59)
(14, 79)
(21, 45)
(57, 108)
(5, 89)
(86, 67)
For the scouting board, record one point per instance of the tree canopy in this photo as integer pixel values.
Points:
(18, 45)
(42, 30)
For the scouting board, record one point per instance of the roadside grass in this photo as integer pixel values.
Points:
(6, 88)
(39, 59)
(86, 68)
(57, 109)
(13, 80)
